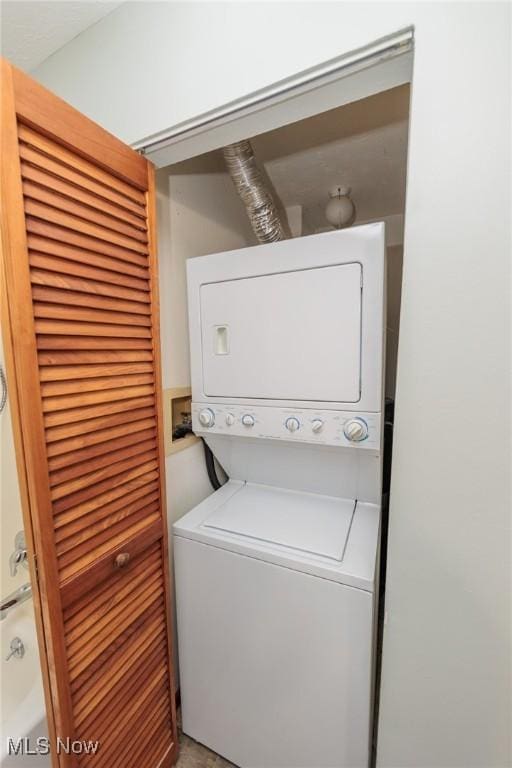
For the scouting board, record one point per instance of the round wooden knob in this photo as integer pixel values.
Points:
(122, 560)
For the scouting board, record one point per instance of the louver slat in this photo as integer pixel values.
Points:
(87, 268)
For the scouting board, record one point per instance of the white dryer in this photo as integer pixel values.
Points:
(276, 571)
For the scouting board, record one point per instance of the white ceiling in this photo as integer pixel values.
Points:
(33, 30)
(362, 145)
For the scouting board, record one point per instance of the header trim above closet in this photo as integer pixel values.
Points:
(383, 64)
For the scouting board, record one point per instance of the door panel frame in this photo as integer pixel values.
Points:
(41, 109)
(27, 417)
(382, 64)
(24, 99)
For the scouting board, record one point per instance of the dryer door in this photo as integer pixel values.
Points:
(286, 336)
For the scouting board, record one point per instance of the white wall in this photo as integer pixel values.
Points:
(198, 212)
(21, 695)
(11, 520)
(446, 666)
(149, 65)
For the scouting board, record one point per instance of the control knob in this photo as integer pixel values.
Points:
(356, 430)
(248, 420)
(206, 417)
(317, 425)
(230, 419)
(292, 424)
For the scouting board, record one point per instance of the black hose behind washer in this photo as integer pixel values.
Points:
(185, 429)
(210, 467)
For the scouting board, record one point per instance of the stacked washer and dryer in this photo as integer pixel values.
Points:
(276, 572)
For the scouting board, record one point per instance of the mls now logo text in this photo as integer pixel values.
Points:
(41, 746)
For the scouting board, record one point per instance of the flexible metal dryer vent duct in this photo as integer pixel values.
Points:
(251, 187)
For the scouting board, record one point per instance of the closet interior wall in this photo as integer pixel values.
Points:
(199, 212)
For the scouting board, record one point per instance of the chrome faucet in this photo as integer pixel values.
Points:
(14, 599)
(19, 556)
(17, 649)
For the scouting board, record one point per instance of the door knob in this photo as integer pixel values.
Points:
(122, 560)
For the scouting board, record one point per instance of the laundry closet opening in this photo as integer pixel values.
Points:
(361, 145)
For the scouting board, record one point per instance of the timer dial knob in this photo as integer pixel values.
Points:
(317, 425)
(356, 430)
(292, 424)
(206, 417)
(248, 420)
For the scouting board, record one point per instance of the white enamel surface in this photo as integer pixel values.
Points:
(305, 522)
(298, 425)
(295, 323)
(279, 333)
(357, 566)
(275, 664)
(292, 336)
(22, 708)
(351, 473)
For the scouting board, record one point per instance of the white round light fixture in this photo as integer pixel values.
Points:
(340, 210)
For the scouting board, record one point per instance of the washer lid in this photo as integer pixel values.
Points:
(317, 525)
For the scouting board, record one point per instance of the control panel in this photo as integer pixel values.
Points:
(341, 428)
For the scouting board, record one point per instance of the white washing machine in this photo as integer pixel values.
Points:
(276, 571)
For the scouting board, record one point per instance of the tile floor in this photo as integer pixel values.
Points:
(195, 755)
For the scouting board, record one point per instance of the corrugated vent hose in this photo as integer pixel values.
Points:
(264, 218)
(250, 185)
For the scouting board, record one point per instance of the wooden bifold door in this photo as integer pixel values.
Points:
(81, 333)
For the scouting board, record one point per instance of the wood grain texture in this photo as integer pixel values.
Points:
(55, 276)
(81, 209)
(106, 269)
(52, 117)
(79, 257)
(85, 238)
(117, 208)
(22, 371)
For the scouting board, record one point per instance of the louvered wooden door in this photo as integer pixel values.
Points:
(80, 321)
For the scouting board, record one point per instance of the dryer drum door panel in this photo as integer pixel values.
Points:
(290, 335)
